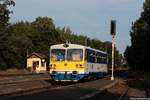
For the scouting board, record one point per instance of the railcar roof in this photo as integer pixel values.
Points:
(61, 46)
(70, 46)
(95, 50)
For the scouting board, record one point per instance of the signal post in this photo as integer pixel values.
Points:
(113, 32)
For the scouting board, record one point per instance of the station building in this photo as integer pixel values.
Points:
(37, 63)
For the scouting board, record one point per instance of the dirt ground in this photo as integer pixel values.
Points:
(118, 90)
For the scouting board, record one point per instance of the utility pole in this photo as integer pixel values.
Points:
(113, 32)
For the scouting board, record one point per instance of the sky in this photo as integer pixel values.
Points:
(85, 17)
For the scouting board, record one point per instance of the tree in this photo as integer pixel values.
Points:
(4, 13)
(4, 25)
(43, 35)
(138, 53)
(19, 43)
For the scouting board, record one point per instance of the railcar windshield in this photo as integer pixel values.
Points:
(57, 55)
(74, 54)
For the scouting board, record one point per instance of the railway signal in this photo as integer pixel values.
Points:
(113, 33)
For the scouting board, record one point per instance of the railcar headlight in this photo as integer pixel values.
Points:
(54, 66)
(51, 65)
(77, 65)
(80, 65)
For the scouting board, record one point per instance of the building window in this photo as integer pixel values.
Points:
(43, 63)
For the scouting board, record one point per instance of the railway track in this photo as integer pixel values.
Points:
(124, 95)
(29, 87)
(12, 84)
(32, 84)
(23, 78)
(14, 73)
(17, 89)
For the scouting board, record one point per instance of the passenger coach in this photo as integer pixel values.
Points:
(72, 62)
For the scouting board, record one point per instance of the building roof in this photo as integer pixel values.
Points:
(39, 55)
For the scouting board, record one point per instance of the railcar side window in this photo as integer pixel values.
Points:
(104, 58)
(57, 55)
(74, 54)
(96, 57)
(101, 58)
(91, 56)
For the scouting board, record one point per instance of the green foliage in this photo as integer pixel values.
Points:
(4, 13)
(4, 24)
(138, 54)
